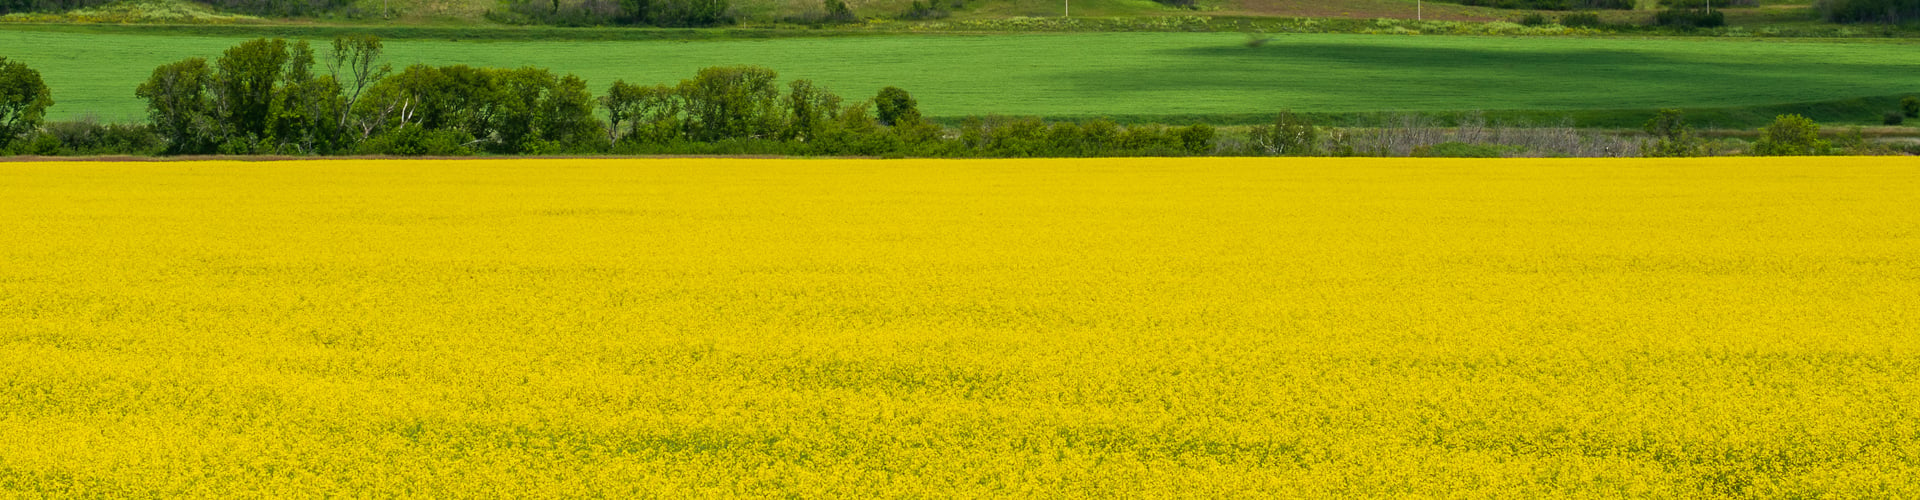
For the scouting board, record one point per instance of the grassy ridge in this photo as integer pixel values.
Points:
(1143, 75)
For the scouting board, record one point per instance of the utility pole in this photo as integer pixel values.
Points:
(1069, 10)
(1419, 10)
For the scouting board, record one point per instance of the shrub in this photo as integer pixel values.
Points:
(1534, 19)
(413, 139)
(1197, 139)
(1672, 136)
(1893, 118)
(1910, 106)
(89, 137)
(1868, 11)
(839, 12)
(1582, 20)
(894, 106)
(1790, 135)
(1682, 18)
(1290, 135)
(24, 99)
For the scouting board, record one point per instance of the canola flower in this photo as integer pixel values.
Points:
(1201, 328)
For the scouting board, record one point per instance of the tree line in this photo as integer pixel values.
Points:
(274, 97)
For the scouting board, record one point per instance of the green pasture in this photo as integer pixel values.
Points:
(1175, 77)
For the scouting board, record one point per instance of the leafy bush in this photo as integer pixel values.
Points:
(1790, 135)
(1910, 106)
(1893, 118)
(895, 107)
(1681, 18)
(1534, 19)
(1868, 11)
(24, 99)
(414, 139)
(12, 6)
(89, 137)
(1197, 139)
(1582, 20)
(1672, 137)
(1290, 135)
(1550, 4)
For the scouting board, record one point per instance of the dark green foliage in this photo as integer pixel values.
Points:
(308, 109)
(1534, 19)
(1582, 20)
(87, 137)
(810, 111)
(690, 13)
(24, 99)
(1672, 137)
(516, 105)
(1290, 135)
(731, 101)
(1868, 11)
(1893, 118)
(243, 91)
(413, 139)
(839, 12)
(1910, 106)
(895, 106)
(12, 6)
(1182, 4)
(635, 12)
(1197, 139)
(1790, 135)
(650, 115)
(527, 110)
(268, 8)
(1550, 4)
(1687, 18)
(179, 107)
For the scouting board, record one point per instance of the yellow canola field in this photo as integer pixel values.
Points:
(1201, 328)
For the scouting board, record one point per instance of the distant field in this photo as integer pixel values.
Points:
(1206, 328)
(1173, 76)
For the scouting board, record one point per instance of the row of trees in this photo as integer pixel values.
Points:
(269, 96)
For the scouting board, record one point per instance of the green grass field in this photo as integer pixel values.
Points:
(1171, 77)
